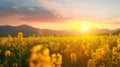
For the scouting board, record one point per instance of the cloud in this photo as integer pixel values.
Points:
(115, 23)
(50, 11)
(40, 15)
(14, 11)
(58, 9)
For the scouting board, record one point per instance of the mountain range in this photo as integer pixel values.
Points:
(29, 30)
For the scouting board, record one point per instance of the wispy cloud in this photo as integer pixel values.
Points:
(58, 9)
(27, 13)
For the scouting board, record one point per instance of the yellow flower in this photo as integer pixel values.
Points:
(56, 60)
(20, 36)
(39, 57)
(73, 57)
(93, 55)
(7, 53)
(59, 59)
(53, 58)
(91, 63)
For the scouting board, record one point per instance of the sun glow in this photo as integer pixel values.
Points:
(85, 28)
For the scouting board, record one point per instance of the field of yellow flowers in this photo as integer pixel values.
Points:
(60, 51)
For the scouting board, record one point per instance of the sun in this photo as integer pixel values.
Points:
(85, 28)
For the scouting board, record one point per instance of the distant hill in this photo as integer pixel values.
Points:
(29, 30)
(104, 31)
(26, 30)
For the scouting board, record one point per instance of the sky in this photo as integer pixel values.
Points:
(61, 14)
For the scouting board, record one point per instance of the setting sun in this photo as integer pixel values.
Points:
(85, 28)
